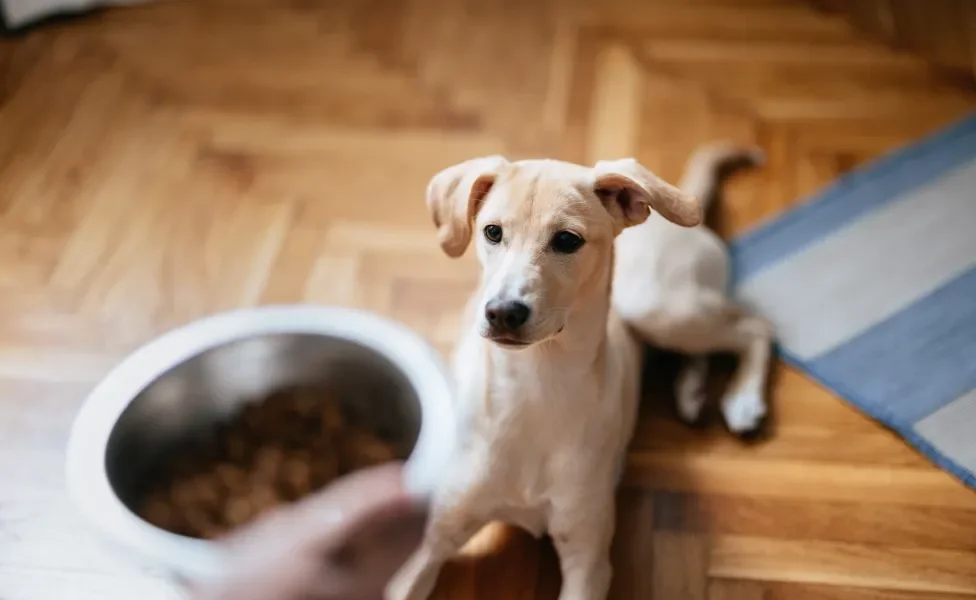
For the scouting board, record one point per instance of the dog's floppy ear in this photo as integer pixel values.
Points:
(454, 196)
(629, 192)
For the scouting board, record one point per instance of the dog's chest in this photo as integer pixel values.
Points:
(543, 407)
(539, 434)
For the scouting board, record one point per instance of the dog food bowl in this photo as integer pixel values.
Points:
(189, 379)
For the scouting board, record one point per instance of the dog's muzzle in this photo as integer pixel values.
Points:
(505, 320)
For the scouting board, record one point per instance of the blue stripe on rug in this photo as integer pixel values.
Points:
(859, 192)
(917, 361)
(868, 270)
(871, 286)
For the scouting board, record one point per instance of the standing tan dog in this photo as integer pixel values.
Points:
(547, 371)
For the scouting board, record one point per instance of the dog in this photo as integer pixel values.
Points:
(671, 286)
(547, 369)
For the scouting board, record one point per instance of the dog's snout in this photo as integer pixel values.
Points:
(509, 315)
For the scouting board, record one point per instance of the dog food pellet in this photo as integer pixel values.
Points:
(275, 451)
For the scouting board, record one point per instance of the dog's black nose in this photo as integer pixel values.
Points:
(508, 315)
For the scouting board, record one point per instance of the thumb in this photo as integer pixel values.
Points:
(379, 526)
(369, 517)
(365, 502)
(345, 541)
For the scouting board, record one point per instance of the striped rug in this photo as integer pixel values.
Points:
(871, 286)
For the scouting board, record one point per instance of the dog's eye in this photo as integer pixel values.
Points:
(566, 242)
(493, 233)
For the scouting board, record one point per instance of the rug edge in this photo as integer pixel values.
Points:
(904, 430)
(888, 160)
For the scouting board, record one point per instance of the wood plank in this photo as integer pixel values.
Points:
(838, 563)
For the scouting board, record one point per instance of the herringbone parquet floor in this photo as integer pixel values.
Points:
(163, 162)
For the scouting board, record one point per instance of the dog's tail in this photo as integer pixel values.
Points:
(711, 163)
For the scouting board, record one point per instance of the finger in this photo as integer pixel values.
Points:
(352, 496)
(323, 516)
(358, 531)
(359, 565)
(370, 514)
(377, 542)
(380, 526)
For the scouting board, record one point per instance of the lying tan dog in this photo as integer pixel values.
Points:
(547, 370)
(670, 284)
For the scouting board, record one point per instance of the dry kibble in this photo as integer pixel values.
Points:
(297, 474)
(252, 415)
(184, 493)
(324, 470)
(331, 417)
(196, 517)
(161, 513)
(305, 404)
(237, 511)
(232, 477)
(264, 497)
(207, 490)
(276, 451)
(267, 463)
(365, 449)
(236, 446)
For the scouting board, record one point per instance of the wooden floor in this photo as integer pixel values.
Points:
(163, 162)
(942, 31)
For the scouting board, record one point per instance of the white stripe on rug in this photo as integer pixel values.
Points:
(823, 295)
(952, 428)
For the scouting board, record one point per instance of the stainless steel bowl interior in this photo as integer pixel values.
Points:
(197, 394)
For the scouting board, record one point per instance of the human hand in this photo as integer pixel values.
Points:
(343, 543)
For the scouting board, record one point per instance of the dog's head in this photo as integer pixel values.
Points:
(544, 232)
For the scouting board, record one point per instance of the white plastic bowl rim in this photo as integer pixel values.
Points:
(87, 481)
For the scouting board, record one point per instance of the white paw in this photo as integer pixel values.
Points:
(690, 403)
(690, 395)
(744, 412)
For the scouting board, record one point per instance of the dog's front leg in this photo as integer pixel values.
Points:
(582, 532)
(454, 519)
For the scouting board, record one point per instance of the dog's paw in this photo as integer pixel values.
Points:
(690, 409)
(690, 400)
(689, 392)
(744, 413)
